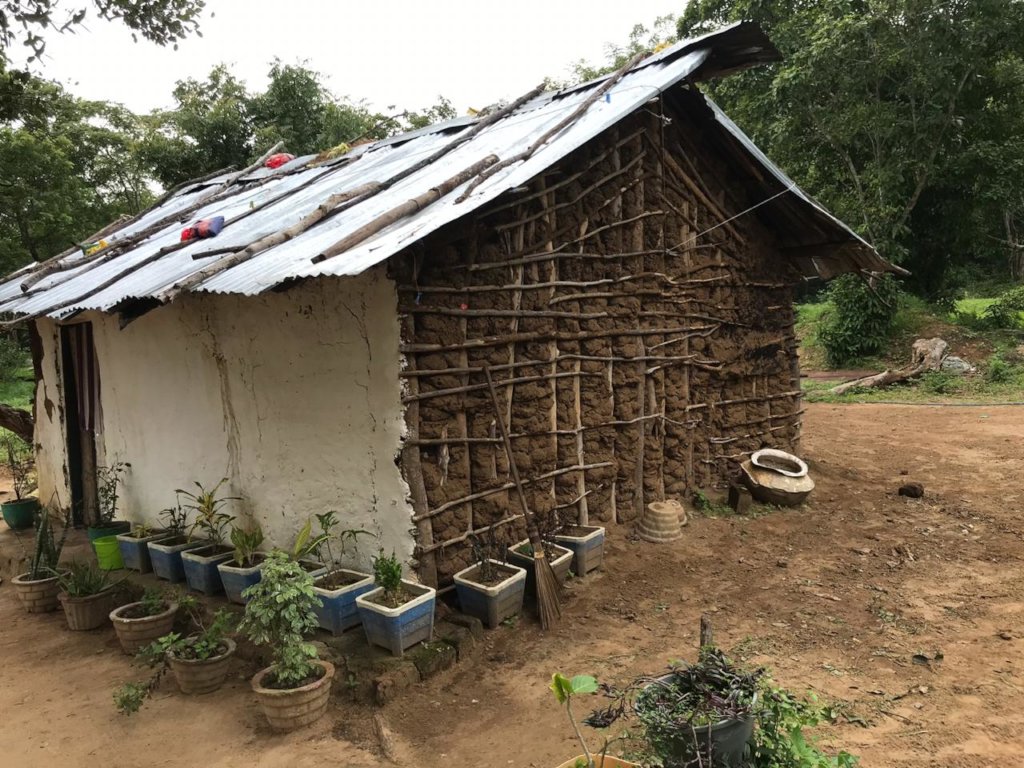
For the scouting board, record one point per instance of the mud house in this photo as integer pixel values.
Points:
(619, 253)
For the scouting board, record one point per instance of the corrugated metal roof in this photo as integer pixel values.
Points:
(290, 193)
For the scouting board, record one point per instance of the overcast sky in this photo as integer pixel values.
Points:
(390, 52)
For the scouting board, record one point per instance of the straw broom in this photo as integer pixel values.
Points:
(547, 583)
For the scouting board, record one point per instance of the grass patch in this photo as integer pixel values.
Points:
(16, 391)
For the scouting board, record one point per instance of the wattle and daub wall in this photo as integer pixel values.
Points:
(637, 356)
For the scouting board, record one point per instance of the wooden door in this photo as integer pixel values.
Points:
(82, 417)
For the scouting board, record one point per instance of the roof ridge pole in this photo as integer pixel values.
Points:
(558, 128)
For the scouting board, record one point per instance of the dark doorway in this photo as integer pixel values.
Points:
(82, 416)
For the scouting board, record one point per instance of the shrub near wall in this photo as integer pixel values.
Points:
(860, 320)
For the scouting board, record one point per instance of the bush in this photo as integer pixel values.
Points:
(860, 320)
(12, 358)
(1005, 311)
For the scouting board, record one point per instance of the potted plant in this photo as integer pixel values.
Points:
(107, 481)
(141, 623)
(295, 689)
(211, 522)
(38, 588)
(243, 569)
(397, 614)
(586, 543)
(521, 554)
(165, 554)
(307, 550)
(200, 662)
(87, 596)
(696, 714)
(338, 588)
(134, 546)
(20, 513)
(490, 589)
(565, 689)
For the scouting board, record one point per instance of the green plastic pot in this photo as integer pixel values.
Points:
(108, 553)
(20, 514)
(108, 529)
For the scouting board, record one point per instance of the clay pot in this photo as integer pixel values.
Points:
(197, 676)
(608, 762)
(136, 634)
(660, 522)
(776, 477)
(289, 709)
(39, 595)
(85, 613)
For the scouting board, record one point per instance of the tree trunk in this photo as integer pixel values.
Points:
(17, 421)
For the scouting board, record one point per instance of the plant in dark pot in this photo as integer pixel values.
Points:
(490, 589)
(134, 546)
(38, 588)
(140, 623)
(280, 613)
(165, 554)
(699, 714)
(211, 525)
(20, 513)
(87, 595)
(242, 570)
(199, 662)
(338, 588)
(397, 614)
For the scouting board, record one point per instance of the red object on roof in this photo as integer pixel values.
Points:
(276, 161)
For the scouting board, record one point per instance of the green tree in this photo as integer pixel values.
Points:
(902, 116)
(70, 166)
(163, 22)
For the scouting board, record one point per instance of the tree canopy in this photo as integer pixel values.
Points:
(71, 166)
(905, 117)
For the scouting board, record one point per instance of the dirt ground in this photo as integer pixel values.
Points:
(836, 597)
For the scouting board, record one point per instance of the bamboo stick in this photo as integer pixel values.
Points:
(560, 126)
(413, 472)
(507, 486)
(408, 208)
(490, 341)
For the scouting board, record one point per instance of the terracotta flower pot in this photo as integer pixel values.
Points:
(289, 709)
(136, 634)
(196, 676)
(37, 595)
(607, 762)
(85, 613)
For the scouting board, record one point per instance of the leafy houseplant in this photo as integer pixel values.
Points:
(338, 588)
(38, 587)
(565, 689)
(396, 614)
(20, 513)
(165, 554)
(86, 594)
(199, 662)
(139, 624)
(294, 690)
(701, 711)
(211, 521)
(308, 549)
(108, 480)
(489, 589)
(243, 569)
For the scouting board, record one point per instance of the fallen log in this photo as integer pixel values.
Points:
(926, 356)
(17, 421)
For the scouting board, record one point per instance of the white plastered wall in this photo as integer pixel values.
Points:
(295, 397)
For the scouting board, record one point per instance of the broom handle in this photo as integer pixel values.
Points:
(531, 527)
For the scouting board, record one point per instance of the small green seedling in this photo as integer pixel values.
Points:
(565, 689)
